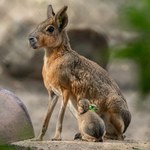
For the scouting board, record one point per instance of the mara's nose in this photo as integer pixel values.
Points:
(32, 41)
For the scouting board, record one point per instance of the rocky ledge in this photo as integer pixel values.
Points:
(80, 145)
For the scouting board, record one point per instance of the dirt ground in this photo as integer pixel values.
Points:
(35, 97)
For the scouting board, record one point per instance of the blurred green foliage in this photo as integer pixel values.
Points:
(136, 19)
(7, 147)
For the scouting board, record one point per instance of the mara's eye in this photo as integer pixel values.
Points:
(50, 29)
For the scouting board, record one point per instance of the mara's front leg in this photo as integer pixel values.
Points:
(65, 99)
(51, 105)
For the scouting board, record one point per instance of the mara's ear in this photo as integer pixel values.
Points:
(50, 12)
(61, 18)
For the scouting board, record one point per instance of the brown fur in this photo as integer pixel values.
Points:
(72, 76)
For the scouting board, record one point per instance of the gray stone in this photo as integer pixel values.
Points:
(90, 44)
(15, 52)
(80, 145)
(15, 122)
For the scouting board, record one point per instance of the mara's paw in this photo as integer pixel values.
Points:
(37, 139)
(78, 136)
(56, 138)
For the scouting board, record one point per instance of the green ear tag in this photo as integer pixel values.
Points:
(92, 108)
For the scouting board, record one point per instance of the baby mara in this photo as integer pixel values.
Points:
(91, 126)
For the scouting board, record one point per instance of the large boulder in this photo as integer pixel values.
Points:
(15, 123)
(17, 58)
(90, 44)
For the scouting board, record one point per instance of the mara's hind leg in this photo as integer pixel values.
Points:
(78, 136)
(126, 116)
(118, 123)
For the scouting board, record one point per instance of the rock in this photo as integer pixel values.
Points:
(15, 52)
(80, 145)
(15, 123)
(90, 44)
